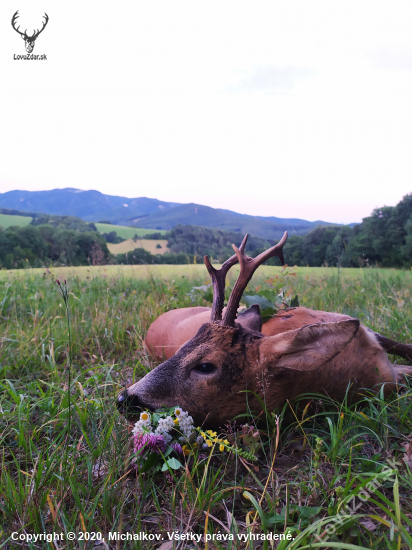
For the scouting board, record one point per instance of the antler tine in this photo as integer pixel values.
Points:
(36, 33)
(247, 268)
(13, 22)
(218, 279)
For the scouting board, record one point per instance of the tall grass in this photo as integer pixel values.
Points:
(77, 476)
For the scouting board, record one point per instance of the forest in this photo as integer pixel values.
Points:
(383, 239)
(43, 245)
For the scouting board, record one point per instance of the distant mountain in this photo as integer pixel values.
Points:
(94, 206)
(91, 206)
(204, 216)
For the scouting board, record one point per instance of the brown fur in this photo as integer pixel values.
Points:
(298, 351)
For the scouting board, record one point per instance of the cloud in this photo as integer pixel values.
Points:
(397, 61)
(273, 79)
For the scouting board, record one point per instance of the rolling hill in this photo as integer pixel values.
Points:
(146, 213)
(91, 206)
(205, 216)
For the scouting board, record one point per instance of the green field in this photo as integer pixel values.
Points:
(8, 221)
(125, 232)
(64, 474)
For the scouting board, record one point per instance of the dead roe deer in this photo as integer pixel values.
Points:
(211, 361)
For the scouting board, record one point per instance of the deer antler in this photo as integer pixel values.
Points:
(36, 34)
(13, 23)
(218, 279)
(24, 34)
(247, 268)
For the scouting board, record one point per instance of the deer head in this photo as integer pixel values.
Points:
(209, 374)
(28, 40)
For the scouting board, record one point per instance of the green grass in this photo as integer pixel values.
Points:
(125, 232)
(50, 479)
(8, 221)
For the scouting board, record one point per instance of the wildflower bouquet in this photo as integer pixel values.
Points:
(160, 438)
(158, 435)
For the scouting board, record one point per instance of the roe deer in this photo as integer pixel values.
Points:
(211, 362)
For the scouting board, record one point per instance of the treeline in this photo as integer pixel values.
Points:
(141, 256)
(42, 245)
(189, 244)
(70, 223)
(216, 243)
(383, 239)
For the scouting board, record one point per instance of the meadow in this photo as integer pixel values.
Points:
(147, 244)
(338, 477)
(8, 221)
(126, 232)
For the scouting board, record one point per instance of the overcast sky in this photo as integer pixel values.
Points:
(291, 109)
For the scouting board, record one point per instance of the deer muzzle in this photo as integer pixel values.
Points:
(129, 404)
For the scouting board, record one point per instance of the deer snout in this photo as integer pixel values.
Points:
(129, 404)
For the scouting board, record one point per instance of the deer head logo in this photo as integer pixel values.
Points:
(28, 40)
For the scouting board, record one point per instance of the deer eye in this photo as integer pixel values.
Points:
(205, 368)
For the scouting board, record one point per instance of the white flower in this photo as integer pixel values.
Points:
(141, 427)
(145, 418)
(186, 425)
(178, 412)
(165, 425)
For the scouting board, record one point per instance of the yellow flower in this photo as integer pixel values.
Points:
(203, 435)
(226, 442)
(221, 448)
(176, 421)
(186, 450)
(212, 434)
(209, 443)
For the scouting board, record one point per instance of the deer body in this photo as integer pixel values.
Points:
(172, 329)
(210, 362)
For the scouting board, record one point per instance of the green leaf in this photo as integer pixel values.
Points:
(150, 462)
(295, 301)
(277, 519)
(261, 301)
(308, 512)
(208, 295)
(173, 463)
(270, 295)
(167, 452)
(268, 314)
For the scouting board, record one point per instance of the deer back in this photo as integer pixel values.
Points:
(172, 329)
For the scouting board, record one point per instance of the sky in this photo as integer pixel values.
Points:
(290, 109)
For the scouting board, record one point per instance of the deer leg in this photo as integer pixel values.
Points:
(401, 371)
(395, 348)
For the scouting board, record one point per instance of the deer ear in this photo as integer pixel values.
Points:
(309, 346)
(250, 318)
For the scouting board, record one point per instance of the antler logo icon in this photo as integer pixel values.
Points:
(28, 40)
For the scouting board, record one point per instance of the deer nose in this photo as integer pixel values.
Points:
(127, 403)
